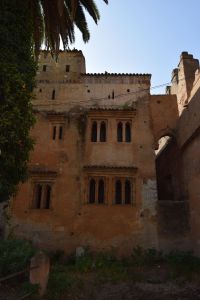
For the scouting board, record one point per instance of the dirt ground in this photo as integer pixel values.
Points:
(121, 291)
(139, 291)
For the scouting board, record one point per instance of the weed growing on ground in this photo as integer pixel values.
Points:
(183, 264)
(14, 255)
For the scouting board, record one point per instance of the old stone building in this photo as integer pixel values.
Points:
(92, 175)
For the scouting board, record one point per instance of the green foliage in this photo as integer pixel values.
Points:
(14, 256)
(32, 289)
(183, 264)
(17, 72)
(150, 257)
(59, 281)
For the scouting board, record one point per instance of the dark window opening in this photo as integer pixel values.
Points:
(101, 191)
(127, 192)
(128, 90)
(38, 196)
(103, 132)
(92, 191)
(44, 68)
(128, 132)
(113, 94)
(48, 197)
(119, 132)
(67, 68)
(108, 96)
(40, 90)
(118, 192)
(60, 132)
(53, 95)
(54, 132)
(88, 91)
(94, 132)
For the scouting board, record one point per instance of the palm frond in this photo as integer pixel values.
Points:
(55, 19)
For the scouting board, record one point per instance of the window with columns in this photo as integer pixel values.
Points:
(57, 132)
(96, 190)
(99, 131)
(124, 131)
(42, 196)
(123, 191)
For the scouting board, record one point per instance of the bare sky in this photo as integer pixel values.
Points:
(142, 36)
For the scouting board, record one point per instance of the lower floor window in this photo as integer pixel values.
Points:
(123, 191)
(116, 190)
(42, 196)
(96, 190)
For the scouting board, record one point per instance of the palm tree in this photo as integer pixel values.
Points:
(24, 26)
(55, 19)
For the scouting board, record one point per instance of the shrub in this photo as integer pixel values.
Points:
(183, 263)
(14, 255)
(141, 257)
(59, 281)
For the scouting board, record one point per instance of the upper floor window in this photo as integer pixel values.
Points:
(57, 132)
(123, 191)
(44, 68)
(53, 95)
(120, 132)
(67, 68)
(99, 131)
(128, 132)
(94, 132)
(42, 196)
(96, 190)
(103, 132)
(124, 131)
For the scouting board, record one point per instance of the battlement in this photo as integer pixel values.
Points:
(183, 78)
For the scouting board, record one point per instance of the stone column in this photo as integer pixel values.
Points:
(39, 271)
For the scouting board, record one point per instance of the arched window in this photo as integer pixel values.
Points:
(101, 191)
(119, 132)
(92, 191)
(127, 192)
(128, 132)
(118, 192)
(113, 94)
(54, 132)
(48, 197)
(60, 132)
(53, 95)
(94, 132)
(103, 132)
(38, 196)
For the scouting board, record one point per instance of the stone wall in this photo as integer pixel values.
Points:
(67, 164)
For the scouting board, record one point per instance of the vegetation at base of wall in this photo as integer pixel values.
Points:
(30, 289)
(70, 274)
(14, 256)
(183, 264)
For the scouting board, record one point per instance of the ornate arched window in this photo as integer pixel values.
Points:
(119, 132)
(103, 132)
(53, 95)
(94, 132)
(47, 199)
(118, 192)
(92, 188)
(101, 191)
(128, 132)
(127, 192)
(38, 196)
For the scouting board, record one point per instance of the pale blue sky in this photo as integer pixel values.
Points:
(142, 36)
